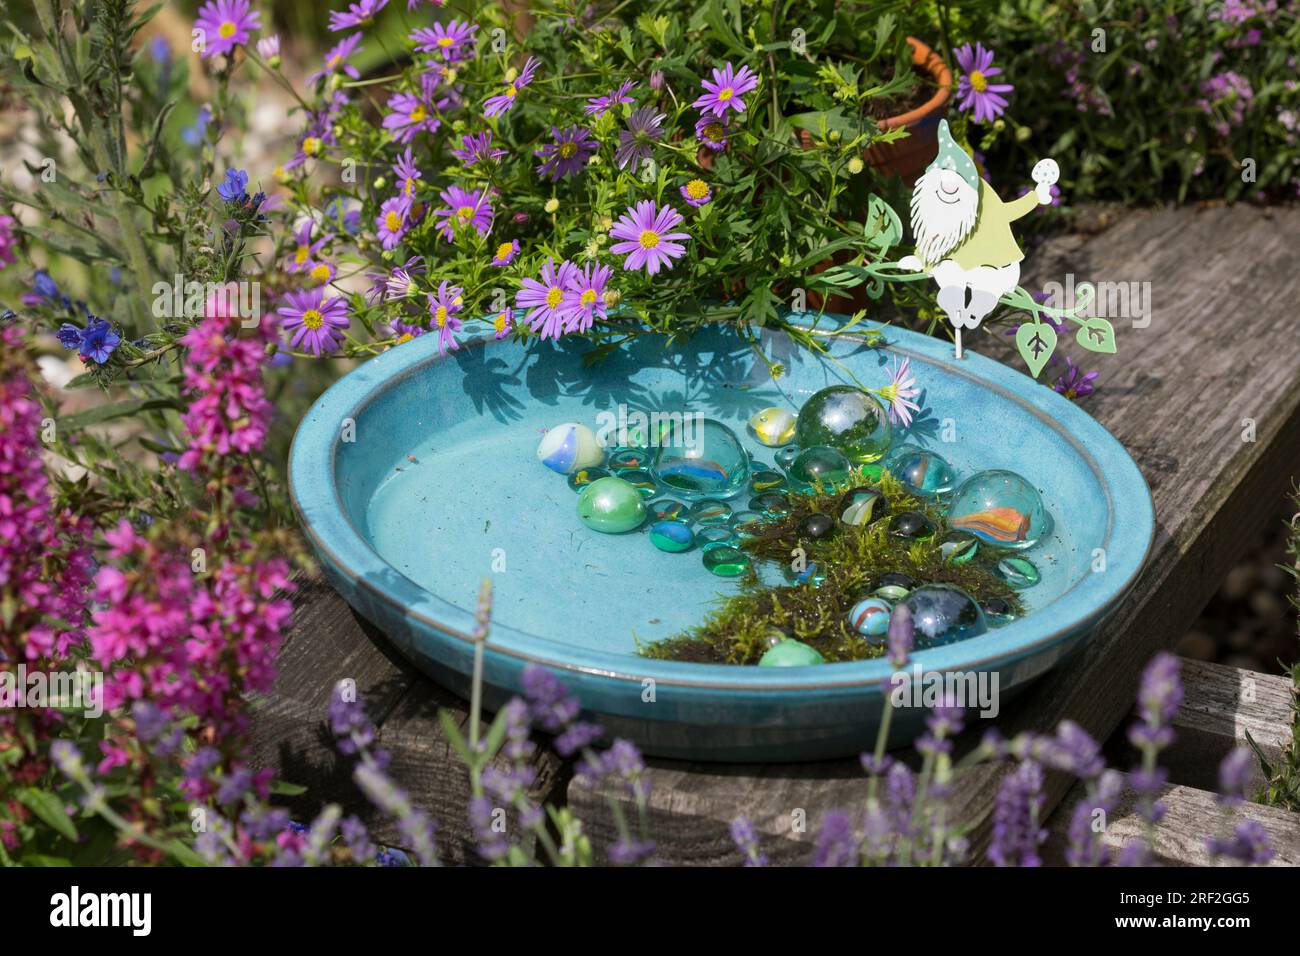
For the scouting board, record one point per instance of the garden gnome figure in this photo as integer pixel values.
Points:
(963, 233)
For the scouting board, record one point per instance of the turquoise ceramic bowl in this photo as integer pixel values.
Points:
(416, 476)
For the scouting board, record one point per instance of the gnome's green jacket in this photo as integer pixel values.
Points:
(990, 243)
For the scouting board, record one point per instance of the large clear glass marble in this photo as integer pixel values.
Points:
(707, 461)
(821, 463)
(922, 472)
(611, 506)
(944, 614)
(1001, 508)
(846, 418)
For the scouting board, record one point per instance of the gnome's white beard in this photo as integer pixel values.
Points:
(938, 226)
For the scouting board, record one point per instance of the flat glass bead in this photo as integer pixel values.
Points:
(791, 654)
(627, 459)
(708, 462)
(726, 561)
(611, 506)
(846, 418)
(641, 480)
(784, 457)
(765, 480)
(709, 535)
(772, 426)
(672, 536)
(894, 585)
(667, 509)
(745, 523)
(709, 511)
(770, 504)
(998, 612)
(1018, 572)
(584, 476)
(1001, 508)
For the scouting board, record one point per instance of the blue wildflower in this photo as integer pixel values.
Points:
(196, 134)
(234, 187)
(96, 342)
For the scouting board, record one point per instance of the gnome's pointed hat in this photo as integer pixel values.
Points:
(951, 156)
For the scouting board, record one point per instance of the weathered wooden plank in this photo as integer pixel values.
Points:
(1192, 815)
(1206, 398)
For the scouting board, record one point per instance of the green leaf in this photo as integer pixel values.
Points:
(48, 808)
(883, 227)
(184, 855)
(454, 737)
(105, 413)
(1036, 342)
(286, 789)
(1096, 335)
(41, 859)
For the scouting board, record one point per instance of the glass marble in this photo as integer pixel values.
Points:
(770, 504)
(791, 653)
(812, 573)
(998, 612)
(726, 561)
(627, 459)
(641, 480)
(894, 585)
(765, 480)
(1018, 572)
(922, 472)
(816, 526)
(710, 535)
(746, 523)
(568, 447)
(774, 636)
(870, 616)
(773, 426)
(665, 509)
(784, 457)
(672, 536)
(712, 463)
(911, 525)
(584, 476)
(709, 511)
(847, 418)
(861, 506)
(944, 614)
(820, 463)
(958, 547)
(1000, 507)
(611, 506)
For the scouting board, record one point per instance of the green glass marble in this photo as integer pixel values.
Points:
(911, 525)
(765, 480)
(611, 506)
(775, 636)
(672, 536)
(894, 585)
(667, 509)
(784, 457)
(958, 547)
(706, 460)
(820, 463)
(791, 654)
(924, 473)
(726, 561)
(584, 476)
(709, 511)
(770, 504)
(627, 459)
(846, 418)
(641, 480)
(861, 506)
(1018, 572)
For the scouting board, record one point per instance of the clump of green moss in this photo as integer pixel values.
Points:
(852, 559)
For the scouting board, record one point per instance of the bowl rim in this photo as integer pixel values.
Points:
(326, 524)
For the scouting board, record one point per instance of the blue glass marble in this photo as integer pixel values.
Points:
(784, 457)
(944, 614)
(584, 476)
(870, 616)
(922, 472)
(709, 511)
(1001, 508)
(703, 461)
(672, 536)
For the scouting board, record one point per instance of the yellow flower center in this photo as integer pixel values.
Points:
(321, 273)
(465, 213)
(588, 298)
(227, 30)
(313, 319)
(568, 150)
(301, 255)
(978, 81)
(404, 337)
(311, 145)
(408, 186)
(714, 132)
(418, 114)
(334, 61)
(553, 296)
(889, 393)
(1071, 394)
(649, 239)
(724, 95)
(505, 249)
(697, 189)
(445, 42)
(393, 221)
(440, 315)
(511, 91)
(501, 320)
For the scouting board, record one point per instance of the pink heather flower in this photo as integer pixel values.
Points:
(409, 114)
(463, 209)
(975, 92)
(357, 14)
(697, 193)
(600, 105)
(443, 309)
(304, 251)
(725, 91)
(336, 60)
(391, 224)
(567, 155)
(7, 241)
(444, 38)
(505, 101)
(506, 253)
(645, 231)
(712, 131)
(407, 173)
(503, 324)
(900, 391)
(314, 322)
(477, 148)
(636, 142)
(584, 296)
(546, 299)
(224, 25)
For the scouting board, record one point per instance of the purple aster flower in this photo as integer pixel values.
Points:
(549, 316)
(357, 14)
(746, 840)
(391, 224)
(645, 230)
(445, 38)
(407, 173)
(314, 322)
(443, 309)
(224, 25)
(336, 60)
(1016, 831)
(599, 105)
(305, 249)
(724, 92)
(975, 92)
(636, 142)
(712, 131)
(399, 283)
(567, 155)
(1249, 844)
(900, 637)
(463, 209)
(95, 343)
(697, 193)
(503, 324)
(1074, 383)
(900, 391)
(268, 48)
(407, 115)
(505, 101)
(506, 253)
(477, 148)
(837, 845)
(584, 296)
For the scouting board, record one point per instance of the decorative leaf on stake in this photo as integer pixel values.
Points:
(1036, 342)
(1096, 335)
(883, 227)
